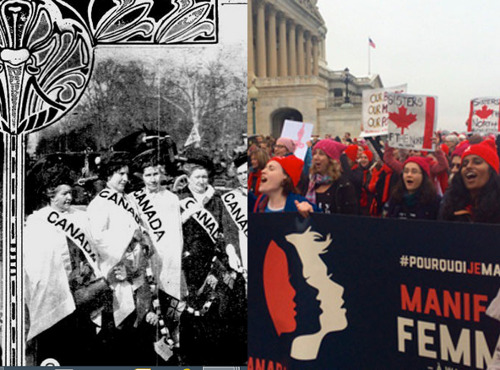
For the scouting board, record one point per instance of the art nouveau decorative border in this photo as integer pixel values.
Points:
(46, 60)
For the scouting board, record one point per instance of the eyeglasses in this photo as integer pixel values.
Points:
(413, 171)
(279, 146)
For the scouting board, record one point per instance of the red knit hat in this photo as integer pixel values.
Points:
(332, 148)
(423, 163)
(445, 148)
(487, 150)
(460, 148)
(369, 154)
(291, 165)
(352, 152)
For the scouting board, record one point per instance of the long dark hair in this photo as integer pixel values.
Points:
(486, 208)
(426, 191)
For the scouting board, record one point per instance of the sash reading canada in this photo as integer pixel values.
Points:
(204, 218)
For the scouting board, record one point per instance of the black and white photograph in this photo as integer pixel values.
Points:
(127, 126)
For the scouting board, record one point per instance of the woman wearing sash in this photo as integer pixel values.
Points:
(235, 220)
(203, 266)
(159, 210)
(116, 228)
(65, 291)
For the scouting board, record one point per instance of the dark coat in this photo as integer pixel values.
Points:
(418, 211)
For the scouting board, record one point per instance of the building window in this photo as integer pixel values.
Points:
(338, 92)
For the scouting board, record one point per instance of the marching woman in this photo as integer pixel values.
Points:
(414, 196)
(235, 219)
(279, 188)
(159, 211)
(365, 163)
(121, 242)
(474, 193)
(204, 265)
(258, 160)
(65, 291)
(328, 187)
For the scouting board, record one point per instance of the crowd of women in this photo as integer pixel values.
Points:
(458, 181)
(140, 276)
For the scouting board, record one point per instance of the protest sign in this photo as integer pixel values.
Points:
(325, 296)
(300, 132)
(375, 116)
(484, 115)
(412, 121)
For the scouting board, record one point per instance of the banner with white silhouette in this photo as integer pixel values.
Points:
(325, 296)
(484, 115)
(375, 117)
(300, 132)
(412, 121)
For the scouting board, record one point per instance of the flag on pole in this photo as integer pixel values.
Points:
(371, 43)
(193, 138)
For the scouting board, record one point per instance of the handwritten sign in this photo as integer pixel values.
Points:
(375, 117)
(412, 119)
(300, 132)
(484, 115)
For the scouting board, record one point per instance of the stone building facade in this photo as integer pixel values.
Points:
(287, 65)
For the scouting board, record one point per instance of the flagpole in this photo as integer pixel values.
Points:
(369, 61)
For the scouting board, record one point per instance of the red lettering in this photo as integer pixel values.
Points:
(477, 268)
(260, 364)
(250, 363)
(270, 365)
(413, 304)
(478, 308)
(467, 306)
(449, 303)
(432, 303)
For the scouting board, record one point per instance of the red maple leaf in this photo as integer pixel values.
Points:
(484, 112)
(401, 119)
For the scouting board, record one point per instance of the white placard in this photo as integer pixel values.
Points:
(300, 132)
(375, 117)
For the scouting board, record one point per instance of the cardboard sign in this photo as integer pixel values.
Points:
(484, 116)
(301, 133)
(375, 117)
(412, 121)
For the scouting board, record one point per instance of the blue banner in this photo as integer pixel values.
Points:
(344, 292)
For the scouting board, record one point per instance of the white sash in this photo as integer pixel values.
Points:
(76, 234)
(237, 209)
(151, 215)
(204, 218)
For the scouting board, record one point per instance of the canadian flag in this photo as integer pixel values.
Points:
(484, 115)
(412, 121)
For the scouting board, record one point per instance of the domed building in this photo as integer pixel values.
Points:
(288, 77)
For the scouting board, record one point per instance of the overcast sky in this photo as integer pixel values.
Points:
(446, 48)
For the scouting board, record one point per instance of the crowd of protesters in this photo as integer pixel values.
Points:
(458, 181)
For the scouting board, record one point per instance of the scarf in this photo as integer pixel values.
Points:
(315, 181)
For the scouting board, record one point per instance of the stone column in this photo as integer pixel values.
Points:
(272, 47)
(283, 58)
(315, 57)
(300, 51)
(308, 54)
(250, 45)
(261, 40)
(292, 47)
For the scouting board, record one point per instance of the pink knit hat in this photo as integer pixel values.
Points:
(288, 143)
(332, 148)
